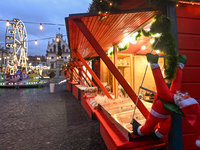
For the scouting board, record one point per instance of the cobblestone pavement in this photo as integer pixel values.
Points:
(35, 119)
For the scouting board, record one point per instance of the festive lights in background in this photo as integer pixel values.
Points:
(40, 27)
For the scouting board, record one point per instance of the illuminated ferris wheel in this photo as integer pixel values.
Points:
(16, 46)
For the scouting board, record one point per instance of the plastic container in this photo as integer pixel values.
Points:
(52, 85)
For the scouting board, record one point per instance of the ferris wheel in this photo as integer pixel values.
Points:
(16, 46)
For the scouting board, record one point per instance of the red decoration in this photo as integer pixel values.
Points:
(161, 116)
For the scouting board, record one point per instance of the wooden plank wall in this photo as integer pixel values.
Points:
(188, 25)
(103, 72)
(140, 63)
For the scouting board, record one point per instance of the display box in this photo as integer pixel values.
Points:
(120, 112)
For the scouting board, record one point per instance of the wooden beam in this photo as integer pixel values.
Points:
(110, 65)
(85, 73)
(79, 77)
(81, 74)
(73, 75)
(93, 74)
(115, 80)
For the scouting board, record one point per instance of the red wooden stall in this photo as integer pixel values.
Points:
(188, 20)
(89, 37)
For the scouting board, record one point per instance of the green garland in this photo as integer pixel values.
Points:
(111, 53)
(124, 48)
(138, 35)
(167, 43)
(121, 49)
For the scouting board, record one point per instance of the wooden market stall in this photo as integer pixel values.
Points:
(93, 34)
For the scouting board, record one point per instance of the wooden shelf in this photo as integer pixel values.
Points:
(124, 66)
(125, 70)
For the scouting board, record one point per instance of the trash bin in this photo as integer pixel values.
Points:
(52, 85)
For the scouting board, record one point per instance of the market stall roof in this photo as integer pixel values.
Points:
(107, 28)
(130, 4)
(134, 4)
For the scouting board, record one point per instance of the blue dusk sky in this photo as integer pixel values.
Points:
(40, 11)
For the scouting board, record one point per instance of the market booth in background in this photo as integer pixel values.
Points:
(122, 66)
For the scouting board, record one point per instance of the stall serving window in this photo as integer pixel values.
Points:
(121, 109)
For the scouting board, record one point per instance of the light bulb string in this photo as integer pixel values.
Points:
(43, 39)
(37, 39)
(36, 23)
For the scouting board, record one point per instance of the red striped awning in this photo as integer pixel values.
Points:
(107, 28)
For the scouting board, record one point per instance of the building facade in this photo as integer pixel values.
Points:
(36, 60)
(57, 54)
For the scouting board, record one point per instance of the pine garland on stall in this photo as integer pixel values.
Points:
(124, 48)
(167, 42)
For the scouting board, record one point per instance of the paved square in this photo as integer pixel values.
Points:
(34, 118)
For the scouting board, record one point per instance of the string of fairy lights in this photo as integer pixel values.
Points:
(180, 3)
(40, 27)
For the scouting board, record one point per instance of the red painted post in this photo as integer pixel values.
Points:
(79, 77)
(110, 65)
(93, 74)
(82, 75)
(72, 73)
(85, 73)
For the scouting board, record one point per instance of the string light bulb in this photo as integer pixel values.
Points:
(36, 43)
(57, 39)
(143, 47)
(152, 41)
(7, 23)
(41, 27)
(157, 51)
(110, 4)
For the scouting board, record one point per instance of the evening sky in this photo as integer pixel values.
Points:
(39, 11)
